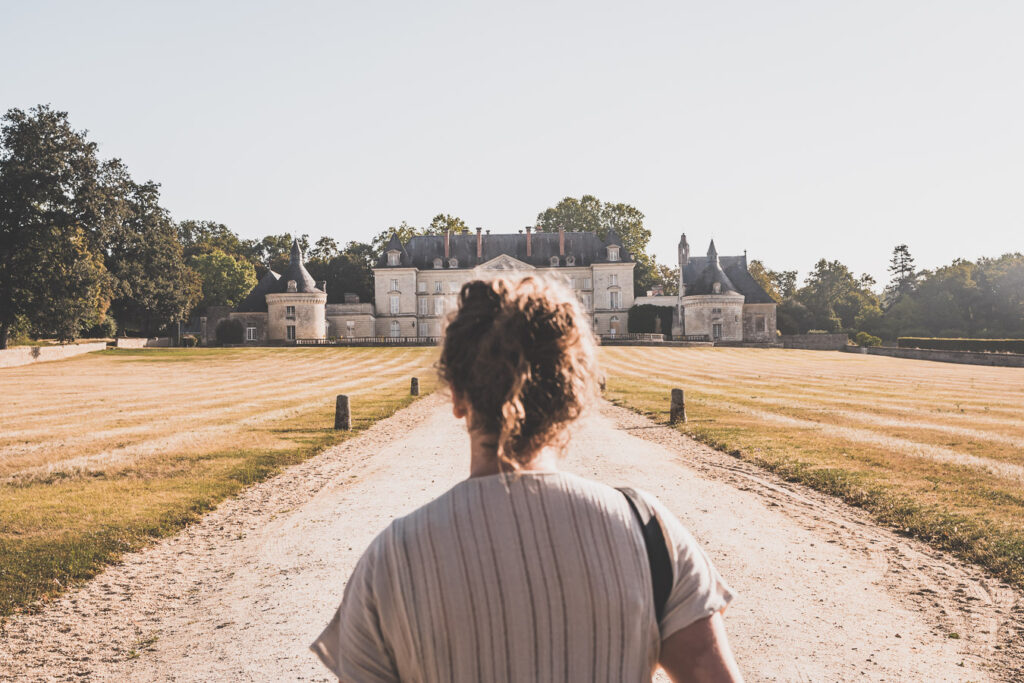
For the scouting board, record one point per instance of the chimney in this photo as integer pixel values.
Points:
(479, 243)
(447, 244)
(529, 240)
(561, 241)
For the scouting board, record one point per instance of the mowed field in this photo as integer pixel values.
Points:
(102, 452)
(935, 450)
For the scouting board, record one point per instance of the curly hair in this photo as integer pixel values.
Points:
(521, 352)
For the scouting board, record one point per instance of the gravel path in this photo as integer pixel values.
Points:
(824, 594)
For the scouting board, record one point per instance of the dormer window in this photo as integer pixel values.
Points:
(717, 288)
(554, 261)
(613, 253)
(570, 260)
(453, 263)
(394, 258)
(438, 263)
(292, 286)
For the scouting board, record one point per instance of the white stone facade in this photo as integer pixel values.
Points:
(414, 302)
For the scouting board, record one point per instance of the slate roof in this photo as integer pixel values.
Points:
(256, 300)
(701, 272)
(272, 283)
(304, 282)
(585, 247)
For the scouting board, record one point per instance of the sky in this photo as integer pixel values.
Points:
(793, 130)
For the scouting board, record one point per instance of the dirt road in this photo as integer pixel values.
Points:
(824, 594)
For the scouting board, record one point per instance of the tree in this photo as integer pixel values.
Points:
(668, 278)
(274, 251)
(324, 249)
(200, 237)
(834, 297)
(589, 214)
(225, 280)
(51, 276)
(443, 222)
(154, 287)
(902, 272)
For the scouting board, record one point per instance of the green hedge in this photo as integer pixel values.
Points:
(866, 339)
(229, 332)
(952, 344)
(642, 319)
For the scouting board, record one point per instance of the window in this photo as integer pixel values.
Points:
(250, 333)
(760, 324)
(289, 312)
(453, 263)
(289, 333)
(394, 284)
(395, 304)
(394, 258)
(588, 301)
(438, 263)
(438, 305)
(716, 311)
(588, 283)
(570, 260)
(292, 286)
(350, 327)
(613, 325)
(395, 331)
(553, 261)
(424, 306)
(437, 287)
(716, 331)
(615, 299)
(717, 288)
(421, 286)
(613, 253)
(614, 280)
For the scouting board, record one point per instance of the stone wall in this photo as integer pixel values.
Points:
(26, 355)
(1010, 360)
(142, 342)
(816, 342)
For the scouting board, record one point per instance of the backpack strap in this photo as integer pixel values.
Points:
(657, 549)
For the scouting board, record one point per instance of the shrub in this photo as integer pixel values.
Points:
(957, 344)
(189, 341)
(865, 339)
(229, 332)
(106, 327)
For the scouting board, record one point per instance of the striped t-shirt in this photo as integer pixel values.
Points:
(541, 576)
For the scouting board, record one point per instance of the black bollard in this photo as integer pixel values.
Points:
(414, 387)
(342, 414)
(677, 411)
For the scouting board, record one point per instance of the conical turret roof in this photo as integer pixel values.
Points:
(296, 271)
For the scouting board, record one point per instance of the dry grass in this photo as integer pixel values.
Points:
(101, 453)
(933, 449)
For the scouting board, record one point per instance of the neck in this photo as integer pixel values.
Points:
(483, 458)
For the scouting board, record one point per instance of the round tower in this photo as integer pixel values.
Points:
(297, 309)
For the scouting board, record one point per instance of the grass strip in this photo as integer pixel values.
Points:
(952, 509)
(57, 533)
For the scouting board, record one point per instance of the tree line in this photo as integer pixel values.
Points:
(87, 250)
(982, 298)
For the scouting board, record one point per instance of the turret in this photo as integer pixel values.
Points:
(684, 259)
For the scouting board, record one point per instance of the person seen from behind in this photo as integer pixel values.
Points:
(523, 572)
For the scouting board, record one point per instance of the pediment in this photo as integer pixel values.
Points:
(505, 262)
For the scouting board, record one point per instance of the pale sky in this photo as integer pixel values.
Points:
(795, 130)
